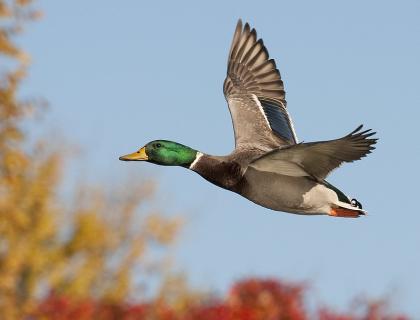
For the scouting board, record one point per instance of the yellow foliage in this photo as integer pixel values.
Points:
(88, 247)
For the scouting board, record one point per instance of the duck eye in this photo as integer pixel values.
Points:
(158, 145)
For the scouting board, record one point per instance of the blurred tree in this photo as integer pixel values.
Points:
(88, 250)
(252, 299)
(266, 299)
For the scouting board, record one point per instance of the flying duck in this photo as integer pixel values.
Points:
(268, 165)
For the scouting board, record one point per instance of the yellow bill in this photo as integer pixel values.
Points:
(136, 156)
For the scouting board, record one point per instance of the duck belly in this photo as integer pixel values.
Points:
(298, 195)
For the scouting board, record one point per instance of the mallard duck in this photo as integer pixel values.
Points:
(268, 165)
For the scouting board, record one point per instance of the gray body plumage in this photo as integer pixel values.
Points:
(280, 192)
(287, 193)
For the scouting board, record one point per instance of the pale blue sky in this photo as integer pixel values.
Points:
(118, 74)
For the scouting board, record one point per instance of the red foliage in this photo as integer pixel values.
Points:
(373, 311)
(65, 308)
(210, 312)
(255, 299)
(251, 299)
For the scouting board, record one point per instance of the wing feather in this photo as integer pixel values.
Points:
(251, 74)
(318, 159)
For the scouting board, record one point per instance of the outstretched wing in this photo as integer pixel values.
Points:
(317, 159)
(255, 94)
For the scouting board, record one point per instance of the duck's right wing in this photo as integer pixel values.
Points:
(255, 94)
(317, 159)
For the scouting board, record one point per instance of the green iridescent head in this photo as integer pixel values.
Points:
(163, 152)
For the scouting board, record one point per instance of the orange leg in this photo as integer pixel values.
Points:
(345, 213)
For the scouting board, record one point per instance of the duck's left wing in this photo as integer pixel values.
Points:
(255, 94)
(317, 159)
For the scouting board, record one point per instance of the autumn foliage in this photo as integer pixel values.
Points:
(87, 256)
(251, 299)
(84, 246)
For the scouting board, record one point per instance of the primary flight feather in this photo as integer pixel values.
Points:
(268, 166)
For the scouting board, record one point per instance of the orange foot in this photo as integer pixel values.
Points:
(345, 213)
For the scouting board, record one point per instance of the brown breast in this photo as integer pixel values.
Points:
(219, 170)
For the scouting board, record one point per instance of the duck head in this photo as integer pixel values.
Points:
(163, 152)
